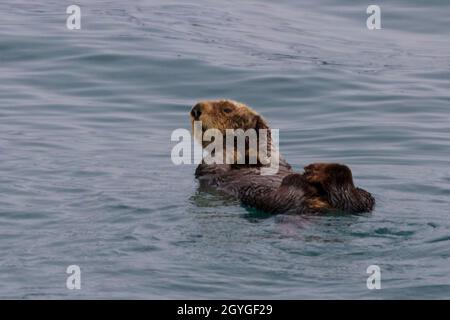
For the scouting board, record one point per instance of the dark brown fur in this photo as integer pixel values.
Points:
(321, 188)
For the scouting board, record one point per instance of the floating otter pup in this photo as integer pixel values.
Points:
(321, 188)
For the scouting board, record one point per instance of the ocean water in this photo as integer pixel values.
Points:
(86, 176)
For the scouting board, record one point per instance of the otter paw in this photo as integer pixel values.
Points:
(317, 204)
(326, 174)
(316, 173)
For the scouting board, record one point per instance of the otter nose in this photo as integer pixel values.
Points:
(196, 111)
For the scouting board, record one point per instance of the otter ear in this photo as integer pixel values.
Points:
(260, 123)
(252, 150)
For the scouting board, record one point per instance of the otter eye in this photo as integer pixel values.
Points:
(227, 110)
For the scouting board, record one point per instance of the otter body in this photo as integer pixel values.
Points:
(253, 189)
(320, 188)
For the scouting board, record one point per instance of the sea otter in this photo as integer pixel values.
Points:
(321, 188)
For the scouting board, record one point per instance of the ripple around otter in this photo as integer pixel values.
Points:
(85, 124)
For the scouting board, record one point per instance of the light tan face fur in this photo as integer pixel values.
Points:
(226, 114)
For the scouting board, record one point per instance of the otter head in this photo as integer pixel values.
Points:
(223, 115)
(226, 114)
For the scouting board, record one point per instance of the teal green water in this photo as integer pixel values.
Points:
(86, 176)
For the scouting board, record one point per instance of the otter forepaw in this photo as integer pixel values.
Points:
(328, 174)
(316, 173)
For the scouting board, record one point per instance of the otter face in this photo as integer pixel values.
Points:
(223, 115)
(226, 114)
